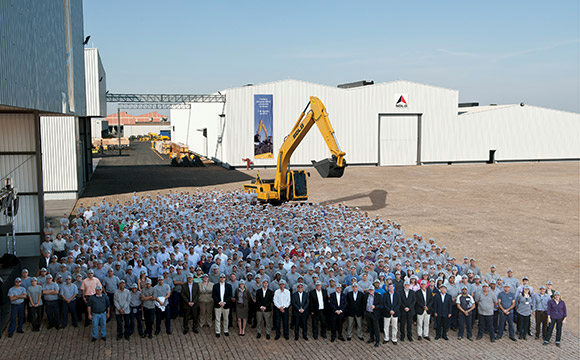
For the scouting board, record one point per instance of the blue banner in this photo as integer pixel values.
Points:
(263, 127)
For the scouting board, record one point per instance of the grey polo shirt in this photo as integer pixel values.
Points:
(485, 303)
(111, 284)
(35, 292)
(161, 290)
(14, 291)
(68, 290)
(149, 304)
(135, 299)
(51, 286)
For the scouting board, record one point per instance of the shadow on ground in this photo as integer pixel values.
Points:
(112, 180)
(378, 200)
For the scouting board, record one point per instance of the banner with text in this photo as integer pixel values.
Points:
(263, 127)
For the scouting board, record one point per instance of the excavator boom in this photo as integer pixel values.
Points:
(292, 185)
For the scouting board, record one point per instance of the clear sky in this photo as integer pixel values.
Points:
(491, 51)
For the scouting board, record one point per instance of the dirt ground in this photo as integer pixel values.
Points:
(524, 216)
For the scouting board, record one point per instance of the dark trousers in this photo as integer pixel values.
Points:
(503, 318)
(496, 320)
(123, 325)
(336, 326)
(319, 317)
(486, 323)
(174, 304)
(252, 312)
(541, 321)
(441, 325)
(558, 324)
(135, 316)
(111, 299)
(67, 308)
(373, 325)
(162, 315)
(281, 318)
(300, 321)
(454, 320)
(35, 314)
(81, 308)
(524, 325)
(16, 318)
(52, 313)
(406, 321)
(192, 312)
(465, 322)
(149, 315)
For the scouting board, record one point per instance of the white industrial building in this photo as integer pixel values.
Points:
(66, 140)
(45, 110)
(141, 129)
(374, 127)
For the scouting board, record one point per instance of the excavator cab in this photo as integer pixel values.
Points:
(329, 168)
(298, 185)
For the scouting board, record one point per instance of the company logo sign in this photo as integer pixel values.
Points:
(401, 100)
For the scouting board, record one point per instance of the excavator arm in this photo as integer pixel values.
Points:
(333, 167)
(293, 184)
(261, 127)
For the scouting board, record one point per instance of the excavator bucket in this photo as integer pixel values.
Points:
(327, 168)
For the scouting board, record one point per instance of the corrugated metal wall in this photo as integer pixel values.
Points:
(18, 161)
(136, 130)
(59, 156)
(186, 123)
(96, 84)
(516, 133)
(354, 114)
(33, 55)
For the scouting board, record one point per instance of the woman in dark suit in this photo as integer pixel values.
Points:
(242, 297)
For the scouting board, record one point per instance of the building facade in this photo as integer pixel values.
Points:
(392, 123)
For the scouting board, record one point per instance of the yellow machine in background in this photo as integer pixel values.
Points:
(292, 184)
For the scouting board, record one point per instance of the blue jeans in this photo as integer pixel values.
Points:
(502, 320)
(99, 319)
(16, 314)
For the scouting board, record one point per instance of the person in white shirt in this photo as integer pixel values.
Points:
(281, 305)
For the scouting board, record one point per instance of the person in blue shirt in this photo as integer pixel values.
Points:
(17, 295)
(506, 302)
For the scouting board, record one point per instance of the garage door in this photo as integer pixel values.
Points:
(398, 139)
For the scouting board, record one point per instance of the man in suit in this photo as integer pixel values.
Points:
(44, 261)
(264, 299)
(423, 307)
(373, 303)
(300, 309)
(391, 307)
(190, 298)
(442, 309)
(222, 295)
(407, 311)
(337, 305)
(354, 311)
(318, 306)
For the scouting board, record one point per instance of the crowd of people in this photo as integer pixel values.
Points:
(215, 257)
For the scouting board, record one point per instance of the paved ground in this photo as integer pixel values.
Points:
(72, 343)
(141, 169)
(524, 216)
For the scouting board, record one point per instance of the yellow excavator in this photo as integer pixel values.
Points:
(292, 184)
(261, 127)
